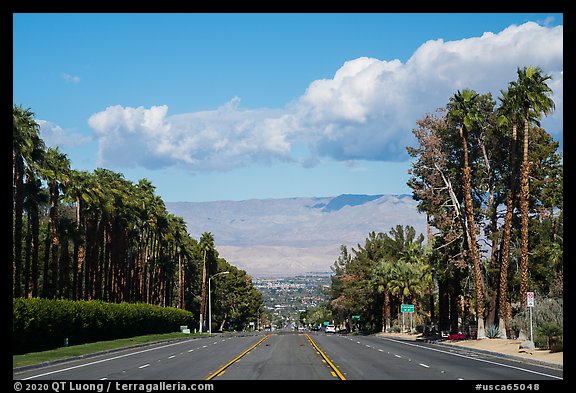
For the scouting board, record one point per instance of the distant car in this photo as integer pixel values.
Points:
(330, 329)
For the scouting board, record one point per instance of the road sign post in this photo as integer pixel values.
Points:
(530, 304)
(404, 308)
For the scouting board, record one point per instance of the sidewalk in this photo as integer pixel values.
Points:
(499, 346)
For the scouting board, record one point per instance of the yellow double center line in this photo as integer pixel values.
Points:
(332, 366)
(335, 371)
(221, 369)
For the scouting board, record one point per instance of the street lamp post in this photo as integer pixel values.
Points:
(210, 302)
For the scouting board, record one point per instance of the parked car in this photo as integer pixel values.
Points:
(330, 329)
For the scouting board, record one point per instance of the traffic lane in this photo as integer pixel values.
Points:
(358, 360)
(282, 356)
(471, 365)
(194, 363)
(188, 359)
(427, 361)
(100, 365)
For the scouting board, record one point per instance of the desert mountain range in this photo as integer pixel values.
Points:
(292, 236)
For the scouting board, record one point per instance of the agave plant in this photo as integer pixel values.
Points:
(493, 331)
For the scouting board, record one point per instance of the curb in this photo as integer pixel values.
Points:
(498, 354)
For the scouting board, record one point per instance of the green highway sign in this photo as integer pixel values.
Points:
(406, 308)
(355, 316)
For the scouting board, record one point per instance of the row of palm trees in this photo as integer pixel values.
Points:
(94, 235)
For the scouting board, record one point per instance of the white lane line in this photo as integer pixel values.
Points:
(471, 358)
(144, 366)
(398, 356)
(108, 359)
(424, 365)
(171, 357)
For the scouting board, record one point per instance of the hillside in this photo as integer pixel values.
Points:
(294, 235)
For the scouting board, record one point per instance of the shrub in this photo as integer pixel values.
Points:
(549, 333)
(492, 331)
(39, 324)
(547, 320)
(456, 336)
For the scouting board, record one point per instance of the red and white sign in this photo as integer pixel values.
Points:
(530, 299)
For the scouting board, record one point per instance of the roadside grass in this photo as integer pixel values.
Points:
(28, 359)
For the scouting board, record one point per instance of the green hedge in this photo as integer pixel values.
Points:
(40, 324)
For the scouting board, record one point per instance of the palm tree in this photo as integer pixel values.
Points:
(179, 236)
(382, 275)
(25, 143)
(510, 115)
(55, 170)
(532, 94)
(206, 245)
(35, 196)
(462, 111)
(86, 192)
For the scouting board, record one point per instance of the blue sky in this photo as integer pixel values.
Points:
(241, 106)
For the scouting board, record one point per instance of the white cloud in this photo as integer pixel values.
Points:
(212, 140)
(70, 78)
(55, 136)
(365, 112)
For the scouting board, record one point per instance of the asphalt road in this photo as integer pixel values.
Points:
(292, 356)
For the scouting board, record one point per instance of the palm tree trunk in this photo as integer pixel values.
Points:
(28, 257)
(18, 212)
(524, 197)
(503, 282)
(79, 248)
(55, 238)
(34, 247)
(203, 301)
(472, 236)
(386, 317)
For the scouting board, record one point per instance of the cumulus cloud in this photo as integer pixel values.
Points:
(53, 135)
(366, 111)
(221, 139)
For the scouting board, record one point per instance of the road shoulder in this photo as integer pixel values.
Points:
(498, 347)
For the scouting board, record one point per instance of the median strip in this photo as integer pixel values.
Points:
(221, 369)
(335, 372)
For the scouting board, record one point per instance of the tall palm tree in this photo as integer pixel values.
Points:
(35, 196)
(382, 275)
(462, 110)
(207, 246)
(533, 98)
(179, 237)
(56, 171)
(85, 192)
(509, 115)
(25, 142)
